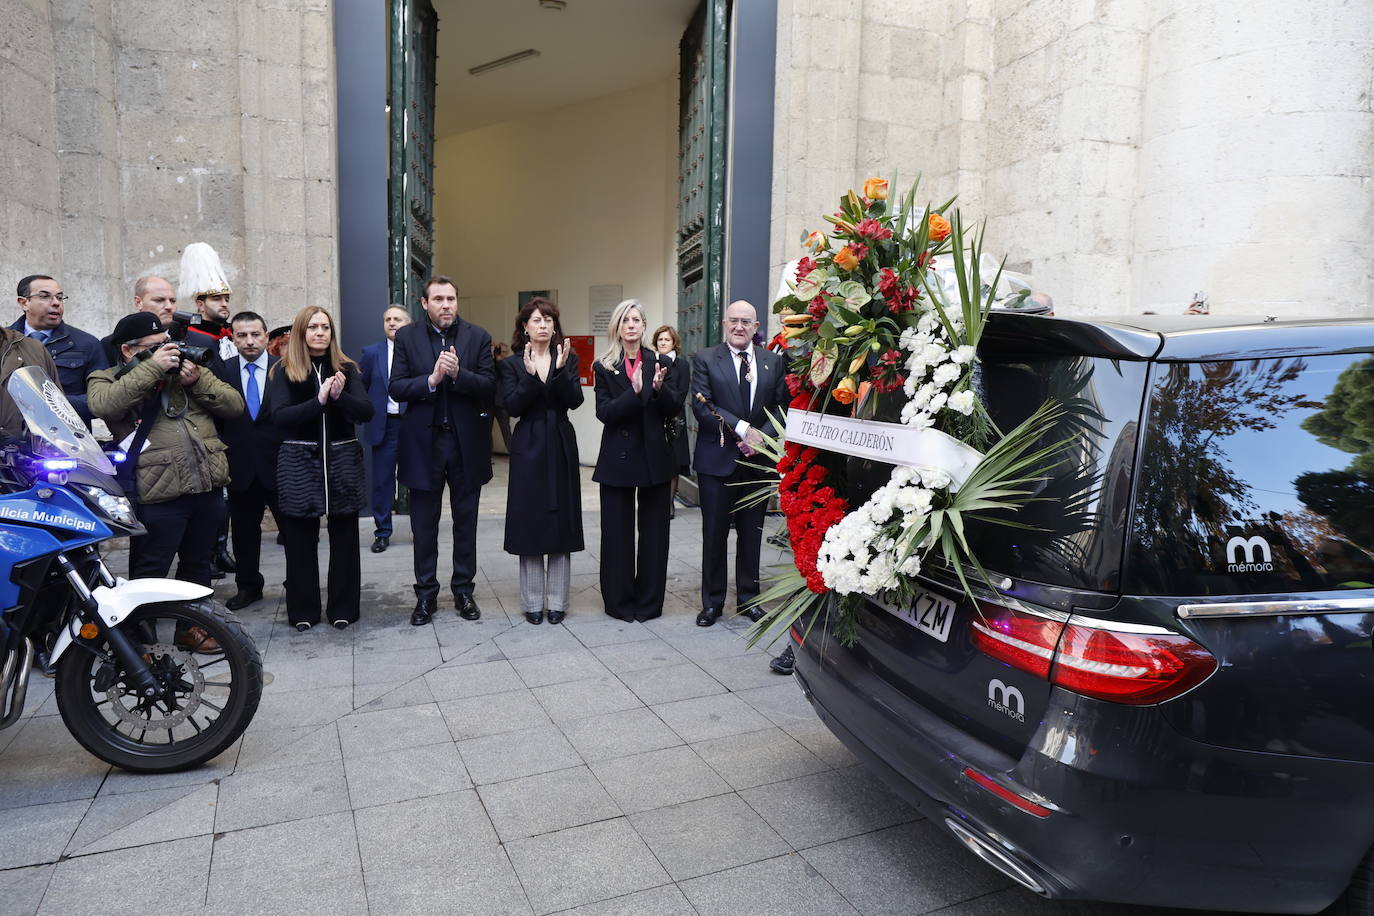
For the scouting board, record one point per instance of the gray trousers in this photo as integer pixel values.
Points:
(538, 589)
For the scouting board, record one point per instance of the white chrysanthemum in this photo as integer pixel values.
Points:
(962, 354)
(946, 373)
(962, 401)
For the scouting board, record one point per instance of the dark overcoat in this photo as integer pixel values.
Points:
(634, 450)
(253, 444)
(544, 499)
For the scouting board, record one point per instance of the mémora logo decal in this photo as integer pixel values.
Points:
(43, 517)
(1255, 550)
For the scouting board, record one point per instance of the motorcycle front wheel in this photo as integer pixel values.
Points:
(210, 691)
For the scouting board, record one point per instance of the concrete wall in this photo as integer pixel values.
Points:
(563, 200)
(1126, 154)
(133, 127)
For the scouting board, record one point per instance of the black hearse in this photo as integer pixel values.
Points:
(1167, 695)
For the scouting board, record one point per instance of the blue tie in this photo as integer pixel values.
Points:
(251, 395)
(40, 336)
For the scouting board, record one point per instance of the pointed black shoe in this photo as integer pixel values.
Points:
(423, 613)
(380, 544)
(557, 616)
(754, 613)
(535, 617)
(708, 616)
(467, 608)
(242, 598)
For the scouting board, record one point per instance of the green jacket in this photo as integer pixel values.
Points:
(16, 351)
(184, 453)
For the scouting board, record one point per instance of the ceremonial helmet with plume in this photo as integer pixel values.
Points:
(201, 273)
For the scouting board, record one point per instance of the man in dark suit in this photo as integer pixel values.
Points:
(743, 383)
(253, 443)
(443, 370)
(383, 429)
(76, 353)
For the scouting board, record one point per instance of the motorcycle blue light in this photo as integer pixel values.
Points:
(59, 464)
(118, 457)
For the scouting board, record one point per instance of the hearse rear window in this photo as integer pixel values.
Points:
(1078, 518)
(1257, 477)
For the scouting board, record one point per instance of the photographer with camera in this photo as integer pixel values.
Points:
(162, 404)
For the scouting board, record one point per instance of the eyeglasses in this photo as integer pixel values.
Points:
(740, 322)
(46, 296)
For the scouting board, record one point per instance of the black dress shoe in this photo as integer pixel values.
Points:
(535, 617)
(423, 613)
(223, 559)
(242, 598)
(380, 544)
(708, 616)
(754, 613)
(557, 616)
(467, 608)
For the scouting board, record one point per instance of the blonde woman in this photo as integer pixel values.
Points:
(634, 467)
(317, 397)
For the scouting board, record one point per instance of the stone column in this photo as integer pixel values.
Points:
(30, 209)
(92, 211)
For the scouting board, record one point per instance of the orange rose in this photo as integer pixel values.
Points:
(875, 189)
(939, 227)
(846, 390)
(845, 259)
(816, 242)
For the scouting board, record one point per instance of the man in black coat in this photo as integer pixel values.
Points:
(253, 443)
(743, 383)
(443, 370)
(76, 353)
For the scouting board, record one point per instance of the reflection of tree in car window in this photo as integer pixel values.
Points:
(1188, 483)
(1346, 422)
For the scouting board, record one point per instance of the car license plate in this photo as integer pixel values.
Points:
(928, 613)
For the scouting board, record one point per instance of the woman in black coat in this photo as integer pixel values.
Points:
(538, 386)
(634, 467)
(318, 397)
(668, 344)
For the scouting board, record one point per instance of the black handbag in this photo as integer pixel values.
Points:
(301, 479)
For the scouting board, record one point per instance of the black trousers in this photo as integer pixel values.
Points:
(720, 511)
(301, 537)
(246, 508)
(184, 528)
(633, 581)
(425, 508)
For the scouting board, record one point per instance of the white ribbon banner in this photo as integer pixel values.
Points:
(893, 443)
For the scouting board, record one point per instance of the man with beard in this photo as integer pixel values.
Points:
(75, 353)
(202, 281)
(442, 369)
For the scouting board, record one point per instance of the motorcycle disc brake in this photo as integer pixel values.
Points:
(145, 716)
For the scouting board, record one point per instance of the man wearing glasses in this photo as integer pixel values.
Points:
(76, 353)
(742, 384)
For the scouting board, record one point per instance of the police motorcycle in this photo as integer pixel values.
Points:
(126, 691)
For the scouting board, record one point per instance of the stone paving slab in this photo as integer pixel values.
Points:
(597, 768)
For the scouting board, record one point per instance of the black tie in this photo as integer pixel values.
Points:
(744, 378)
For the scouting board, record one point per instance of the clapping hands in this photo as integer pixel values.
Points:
(331, 388)
(446, 366)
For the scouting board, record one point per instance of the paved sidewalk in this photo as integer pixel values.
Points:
(494, 767)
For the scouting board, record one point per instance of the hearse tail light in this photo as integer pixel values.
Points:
(1147, 666)
(1020, 639)
(1132, 668)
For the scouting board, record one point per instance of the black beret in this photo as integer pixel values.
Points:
(136, 327)
(279, 332)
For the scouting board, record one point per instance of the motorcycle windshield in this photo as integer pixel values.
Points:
(53, 421)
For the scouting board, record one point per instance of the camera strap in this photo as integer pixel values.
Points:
(126, 473)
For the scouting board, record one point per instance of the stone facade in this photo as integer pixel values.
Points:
(1126, 154)
(133, 127)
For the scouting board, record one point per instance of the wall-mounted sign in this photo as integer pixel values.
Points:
(601, 302)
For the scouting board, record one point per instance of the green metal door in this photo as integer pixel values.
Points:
(414, 37)
(701, 177)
